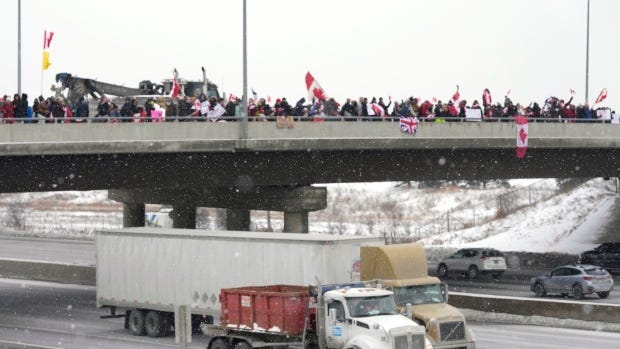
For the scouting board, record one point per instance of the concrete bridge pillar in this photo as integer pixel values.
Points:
(183, 216)
(295, 222)
(238, 219)
(133, 214)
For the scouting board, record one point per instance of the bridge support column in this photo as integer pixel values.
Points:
(237, 219)
(183, 216)
(133, 214)
(295, 222)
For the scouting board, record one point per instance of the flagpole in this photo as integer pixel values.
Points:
(587, 50)
(243, 131)
(19, 47)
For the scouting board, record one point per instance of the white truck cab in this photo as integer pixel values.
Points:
(365, 318)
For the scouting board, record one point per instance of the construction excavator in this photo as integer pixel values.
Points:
(78, 87)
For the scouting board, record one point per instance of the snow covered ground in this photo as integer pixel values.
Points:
(526, 215)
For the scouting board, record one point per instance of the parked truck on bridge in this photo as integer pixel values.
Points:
(403, 269)
(144, 273)
(323, 317)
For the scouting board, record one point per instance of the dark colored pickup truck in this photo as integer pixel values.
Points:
(606, 255)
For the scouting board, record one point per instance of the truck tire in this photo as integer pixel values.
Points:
(442, 270)
(155, 324)
(136, 322)
(243, 345)
(219, 343)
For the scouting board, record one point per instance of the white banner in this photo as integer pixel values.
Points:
(473, 114)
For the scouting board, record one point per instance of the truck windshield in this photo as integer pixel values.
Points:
(371, 306)
(419, 294)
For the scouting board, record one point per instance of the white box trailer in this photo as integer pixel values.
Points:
(158, 268)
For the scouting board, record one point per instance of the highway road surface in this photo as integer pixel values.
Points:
(47, 315)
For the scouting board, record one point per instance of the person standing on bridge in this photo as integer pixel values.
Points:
(103, 109)
(81, 110)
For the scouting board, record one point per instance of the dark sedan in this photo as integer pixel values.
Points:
(577, 280)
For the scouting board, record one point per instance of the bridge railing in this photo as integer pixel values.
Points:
(284, 119)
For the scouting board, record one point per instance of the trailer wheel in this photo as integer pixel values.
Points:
(219, 343)
(136, 322)
(155, 324)
(243, 345)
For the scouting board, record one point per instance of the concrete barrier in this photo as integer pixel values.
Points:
(561, 309)
(47, 271)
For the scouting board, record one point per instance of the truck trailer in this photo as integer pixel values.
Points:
(322, 317)
(144, 273)
(403, 269)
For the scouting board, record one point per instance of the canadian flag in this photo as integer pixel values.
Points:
(486, 97)
(601, 96)
(522, 135)
(47, 39)
(314, 89)
(176, 89)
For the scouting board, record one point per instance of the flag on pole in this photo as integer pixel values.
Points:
(486, 97)
(46, 60)
(47, 40)
(314, 88)
(254, 94)
(522, 135)
(601, 96)
(456, 96)
(176, 89)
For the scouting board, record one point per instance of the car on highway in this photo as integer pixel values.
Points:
(576, 280)
(606, 255)
(473, 262)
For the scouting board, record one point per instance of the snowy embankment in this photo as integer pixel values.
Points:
(519, 215)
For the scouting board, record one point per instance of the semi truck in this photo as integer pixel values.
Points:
(403, 269)
(143, 273)
(323, 317)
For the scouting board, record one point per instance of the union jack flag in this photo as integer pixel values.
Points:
(409, 124)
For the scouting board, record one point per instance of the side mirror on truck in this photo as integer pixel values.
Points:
(444, 291)
(409, 310)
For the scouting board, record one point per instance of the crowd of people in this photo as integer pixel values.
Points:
(56, 109)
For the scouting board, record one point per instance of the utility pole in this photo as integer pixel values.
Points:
(243, 131)
(587, 51)
(19, 47)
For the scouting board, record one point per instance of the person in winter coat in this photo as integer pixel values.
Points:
(103, 109)
(17, 108)
(81, 110)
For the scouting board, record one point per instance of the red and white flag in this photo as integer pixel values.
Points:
(47, 39)
(232, 98)
(176, 89)
(522, 135)
(456, 96)
(486, 97)
(314, 89)
(601, 96)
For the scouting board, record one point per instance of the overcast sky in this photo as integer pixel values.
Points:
(534, 48)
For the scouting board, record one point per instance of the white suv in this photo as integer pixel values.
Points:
(472, 262)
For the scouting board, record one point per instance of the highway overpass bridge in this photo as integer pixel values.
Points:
(204, 164)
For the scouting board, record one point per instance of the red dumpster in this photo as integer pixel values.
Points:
(274, 308)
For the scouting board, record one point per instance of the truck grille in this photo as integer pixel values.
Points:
(402, 342)
(452, 331)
